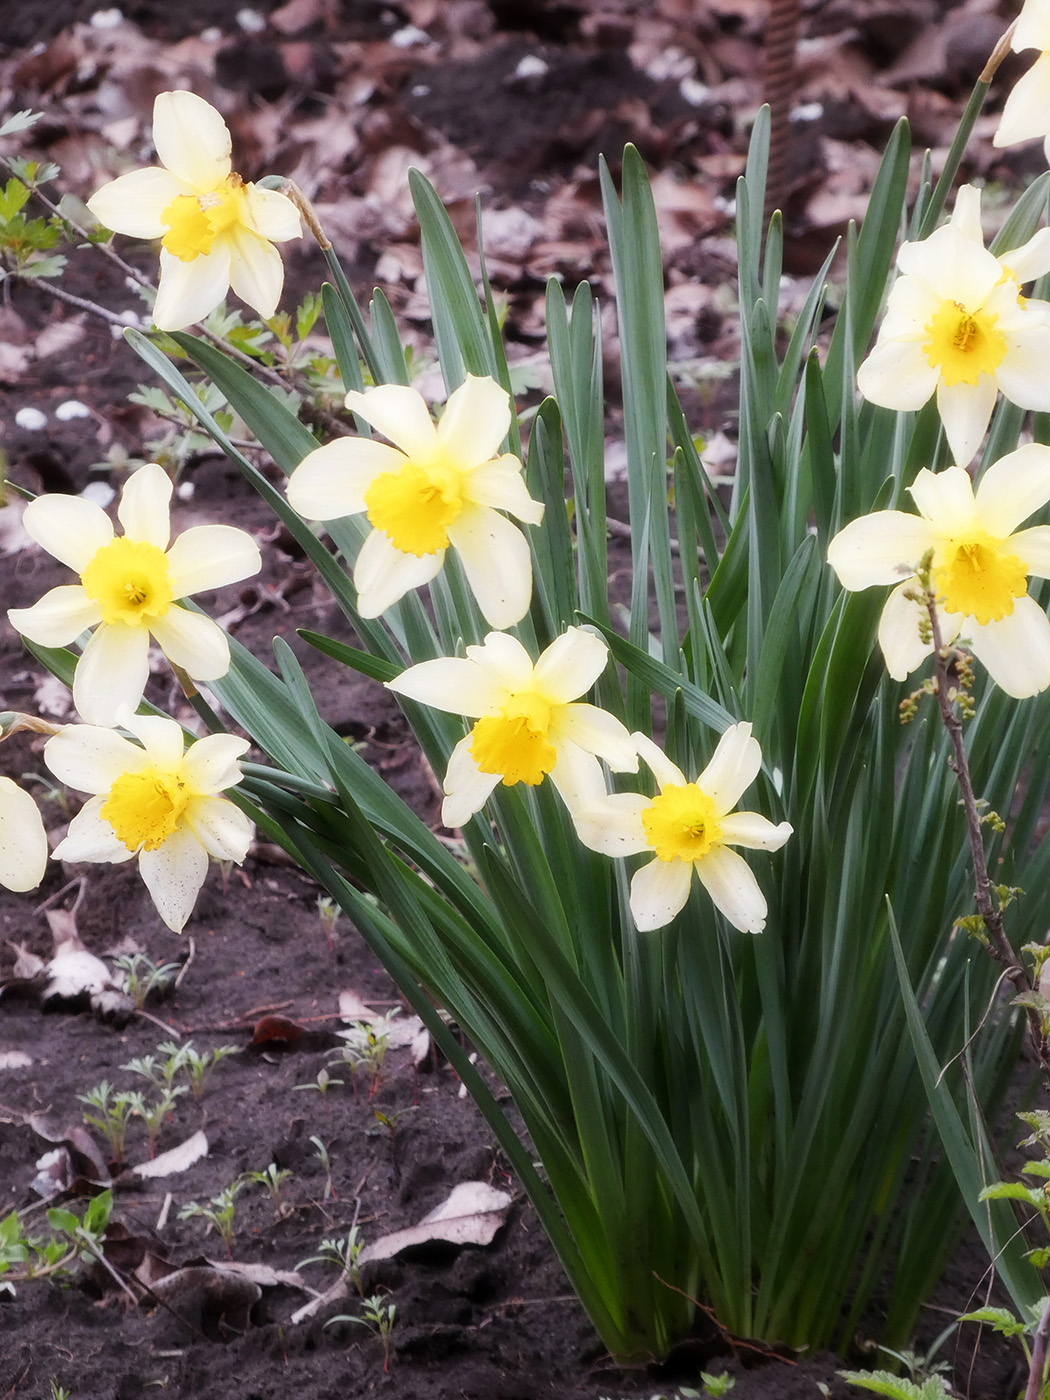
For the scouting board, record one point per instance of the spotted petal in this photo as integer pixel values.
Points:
(88, 758)
(174, 874)
(659, 891)
(731, 883)
(90, 838)
(222, 829)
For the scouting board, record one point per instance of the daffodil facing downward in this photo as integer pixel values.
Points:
(980, 566)
(436, 488)
(1026, 112)
(23, 840)
(127, 590)
(216, 231)
(529, 721)
(956, 325)
(156, 801)
(688, 827)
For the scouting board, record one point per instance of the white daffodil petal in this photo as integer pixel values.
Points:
(111, 673)
(23, 840)
(753, 831)
(659, 891)
(161, 737)
(272, 214)
(89, 758)
(211, 556)
(71, 529)
(1033, 27)
(188, 291)
(212, 764)
(578, 777)
(174, 874)
(902, 647)
(474, 422)
(897, 375)
(222, 829)
(952, 265)
(256, 270)
(330, 482)
(193, 642)
(90, 838)
(734, 766)
(467, 789)
(497, 562)
(879, 548)
(731, 883)
(1032, 547)
(1032, 259)
(965, 411)
(612, 825)
(1015, 650)
(664, 771)
(571, 665)
(596, 731)
(191, 139)
(400, 414)
(1013, 488)
(133, 203)
(505, 660)
(58, 618)
(383, 574)
(500, 484)
(1021, 374)
(1025, 111)
(144, 505)
(450, 683)
(966, 216)
(945, 498)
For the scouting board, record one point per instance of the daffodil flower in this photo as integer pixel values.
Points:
(23, 840)
(955, 325)
(689, 827)
(1026, 113)
(529, 724)
(216, 231)
(158, 803)
(437, 487)
(980, 567)
(127, 590)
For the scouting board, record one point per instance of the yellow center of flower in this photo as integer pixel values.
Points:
(681, 824)
(415, 505)
(963, 344)
(144, 808)
(130, 580)
(976, 576)
(195, 221)
(514, 742)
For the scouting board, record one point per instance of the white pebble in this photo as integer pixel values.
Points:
(72, 408)
(405, 38)
(211, 35)
(98, 491)
(251, 21)
(31, 419)
(420, 90)
(807, 112)
(107, 19)
(531, 66)
(694, 92)
(185, 490)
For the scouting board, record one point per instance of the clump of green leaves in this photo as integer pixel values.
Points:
(344, 1253)
(378, 1316)
(219, 1211)
(272, 1178)
(144, 978)
(113, 1112)
(24, 1256)
(25, 242)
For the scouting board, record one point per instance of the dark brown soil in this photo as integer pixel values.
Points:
(494, 1323)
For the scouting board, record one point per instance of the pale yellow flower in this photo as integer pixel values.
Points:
(980, 568)
(437, 488)
(1026, 113)
(23, 840)
(688, 828)
(216, 231)
(127, 590)
(153, 801)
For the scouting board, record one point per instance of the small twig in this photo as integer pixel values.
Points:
(1039, 1344)
(82, 303)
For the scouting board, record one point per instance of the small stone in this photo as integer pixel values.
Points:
(31, 419)
(405, 38)
(72, 408)
(107, 19)
(251, 21)
(531, 66)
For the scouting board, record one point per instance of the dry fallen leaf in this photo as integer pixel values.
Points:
(176, 1159)
(472, 1214)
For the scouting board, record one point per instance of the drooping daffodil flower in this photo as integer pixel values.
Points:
(436, 488)
(530, 723)
(955, 325)
(23, 840)
(155, 801)
(980, 567)
(216, 231)
(688, 827)
(1026, 113)
(127, 590)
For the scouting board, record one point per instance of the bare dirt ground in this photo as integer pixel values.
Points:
(517, 100)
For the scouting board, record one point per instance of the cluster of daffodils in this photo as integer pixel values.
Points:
(153, 799)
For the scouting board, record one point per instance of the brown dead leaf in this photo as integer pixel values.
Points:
(176, 1159)
(471, 1215)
